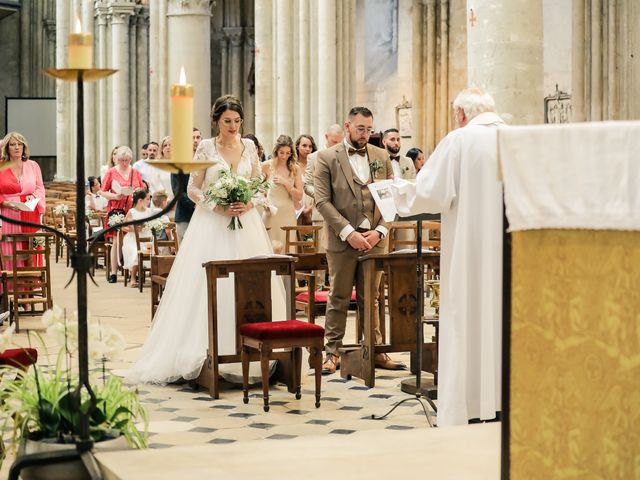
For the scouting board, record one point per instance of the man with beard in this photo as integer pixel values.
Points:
(356, 226)
(403, 167)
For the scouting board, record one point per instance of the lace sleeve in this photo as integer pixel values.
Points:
(196, 186)
(258, 199)
(256, 171)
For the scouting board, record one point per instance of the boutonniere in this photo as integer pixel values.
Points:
(375, 167)
(404, 170)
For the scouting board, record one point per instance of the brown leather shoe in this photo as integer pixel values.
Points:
(384, 361)
(331, 364)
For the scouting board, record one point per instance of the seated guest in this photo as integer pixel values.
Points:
(129, 247)
(417, 156)
(93, 200)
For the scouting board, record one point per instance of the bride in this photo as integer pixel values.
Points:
(177, 343)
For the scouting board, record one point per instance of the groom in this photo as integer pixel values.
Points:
(356, 227)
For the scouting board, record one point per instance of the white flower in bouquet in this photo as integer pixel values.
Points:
(156, 226)
(116, 219)
(61, 209)
(231, 188)
(89, 214)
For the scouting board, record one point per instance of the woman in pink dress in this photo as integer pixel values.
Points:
(20, 183)
(118, 186)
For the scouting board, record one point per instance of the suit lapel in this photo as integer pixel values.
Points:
(343, 160)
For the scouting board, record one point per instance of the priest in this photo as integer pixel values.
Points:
(460, 181)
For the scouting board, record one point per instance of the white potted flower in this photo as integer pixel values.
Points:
(39, 406)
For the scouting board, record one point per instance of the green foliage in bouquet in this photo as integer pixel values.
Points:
(231, 188)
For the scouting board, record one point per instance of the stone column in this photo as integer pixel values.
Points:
(163, 72)
(189, 31)
(326, 63)
(249, 99)
(234, 61)
(505, 57)
(442, 85)
(315, 128)
(65, 102)
(224, 64)
(578, 61)
(102, 123)
(344, 57)
(302, 66)
(25, 48)
(154, 70)
(264, 72)
(142, 80)
(284, 67)
(92, 162)
(120, 86)
(417, 100)
(351, 49)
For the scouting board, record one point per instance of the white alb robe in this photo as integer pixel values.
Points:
(460, 181)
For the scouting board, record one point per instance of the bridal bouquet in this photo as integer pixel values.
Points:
(231, 188)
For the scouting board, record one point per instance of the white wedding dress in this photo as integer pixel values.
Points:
(177, 343)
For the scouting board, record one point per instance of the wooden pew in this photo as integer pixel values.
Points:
(160, 268)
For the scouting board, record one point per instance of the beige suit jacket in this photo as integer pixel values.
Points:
(338, 197)
(406, 168)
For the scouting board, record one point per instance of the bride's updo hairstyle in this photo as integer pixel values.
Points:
(221, 105)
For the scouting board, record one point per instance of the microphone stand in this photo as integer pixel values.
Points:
(421, 393)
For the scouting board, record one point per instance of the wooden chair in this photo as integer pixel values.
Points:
(266, 337)
(402, 235)
(160, 268)
(170, 245)
(144, 247)
(301, 238)
(400, 273)
(99, 247)
(26, 282)
(252, 287)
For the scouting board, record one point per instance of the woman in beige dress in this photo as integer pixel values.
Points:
(285, 195)
(305, 145)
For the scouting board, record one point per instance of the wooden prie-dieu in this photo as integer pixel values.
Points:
(253, 303)
(400, 276)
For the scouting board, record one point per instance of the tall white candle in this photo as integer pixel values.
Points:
(182, 120)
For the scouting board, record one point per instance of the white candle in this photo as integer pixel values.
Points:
(182, 120)
(80, 48)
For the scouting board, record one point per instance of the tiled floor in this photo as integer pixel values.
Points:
(180, 415)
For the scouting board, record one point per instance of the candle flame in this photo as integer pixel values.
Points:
(78, 25)
(183, 76)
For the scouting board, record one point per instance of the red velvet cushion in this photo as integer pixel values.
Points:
(320, 296)
(281, 330)
(19, 357)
